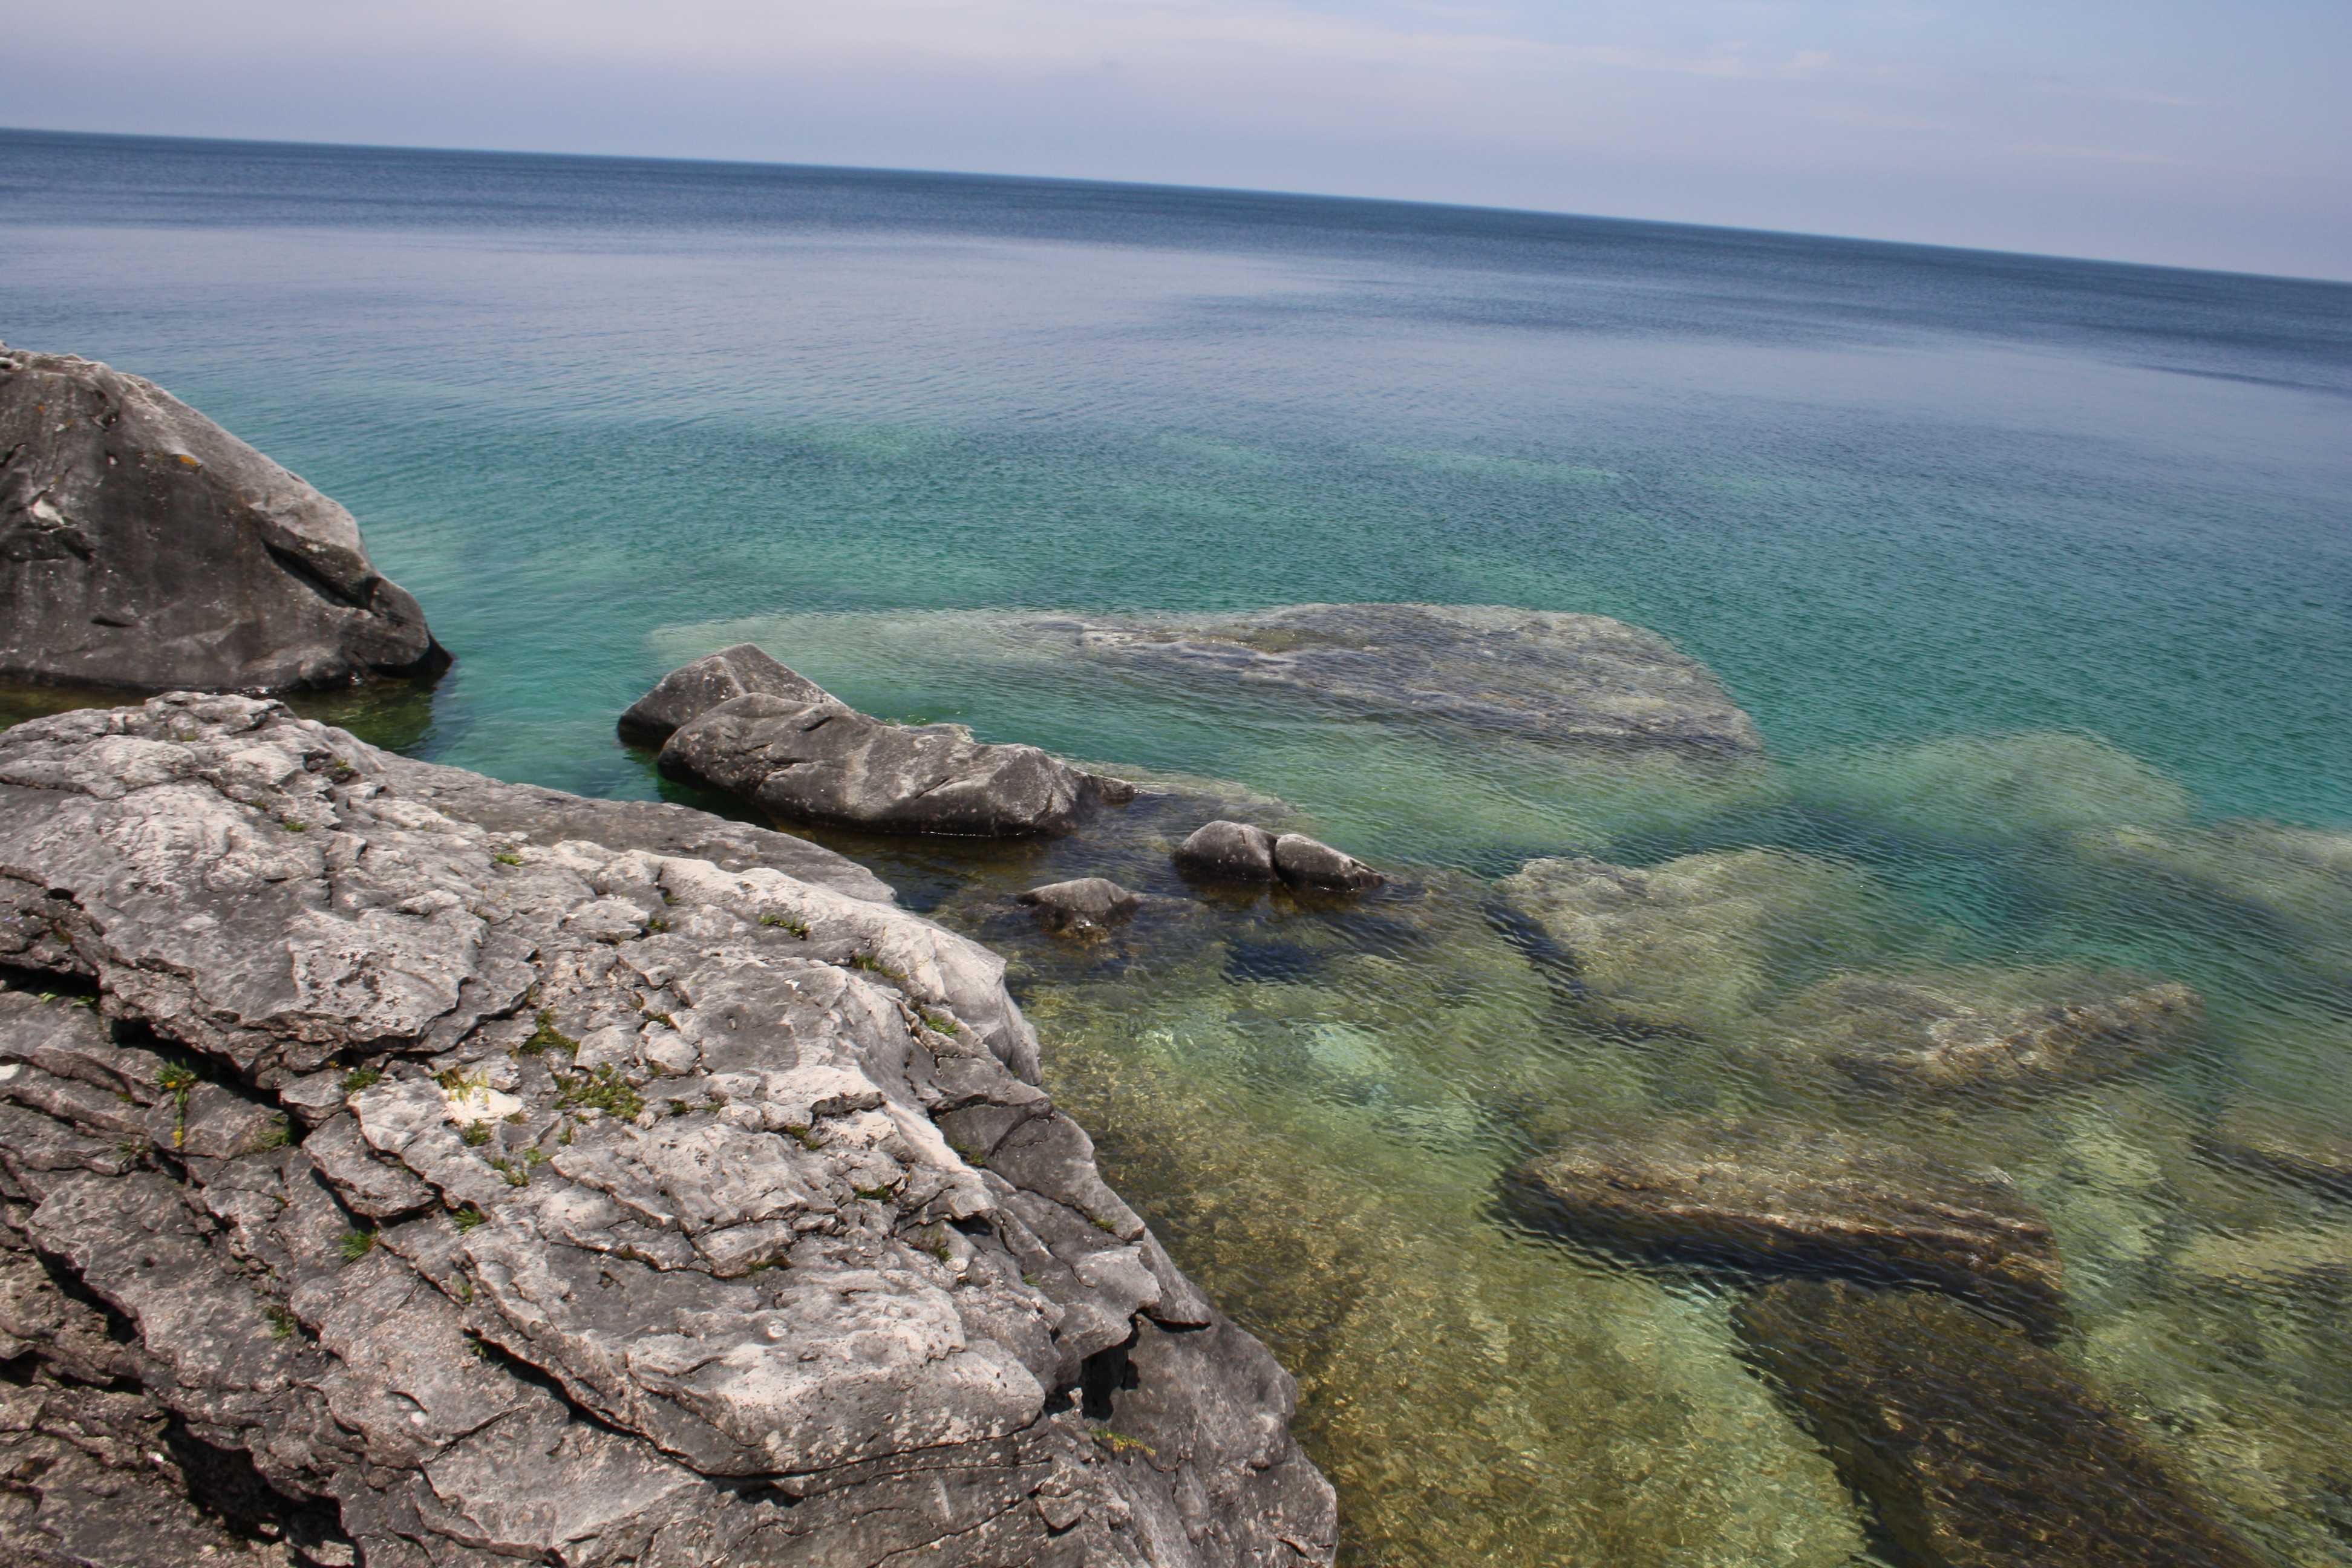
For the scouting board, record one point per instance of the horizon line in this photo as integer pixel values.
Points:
(1087, 182)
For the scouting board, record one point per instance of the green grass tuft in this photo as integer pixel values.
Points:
(604, 1088)
(547, 1038)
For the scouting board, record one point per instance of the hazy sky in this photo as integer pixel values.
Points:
(2170, 131)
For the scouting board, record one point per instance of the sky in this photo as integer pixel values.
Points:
(2177, 132)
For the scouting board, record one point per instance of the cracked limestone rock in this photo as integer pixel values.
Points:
(480, 1192)
(143, 546)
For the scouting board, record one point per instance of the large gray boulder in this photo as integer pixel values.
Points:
(1541, 674)
(488, 1195)
(143, 546)
(744, 725)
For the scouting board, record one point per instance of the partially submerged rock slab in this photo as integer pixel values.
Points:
(1977, 1448)
(690, 690)
(691, 1150)
(790, 748)
(1755, 1196)
(1538, 674)
(142, 546)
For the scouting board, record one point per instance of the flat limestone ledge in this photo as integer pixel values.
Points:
(496, 1193)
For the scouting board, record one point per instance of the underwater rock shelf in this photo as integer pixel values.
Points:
(474, 1188)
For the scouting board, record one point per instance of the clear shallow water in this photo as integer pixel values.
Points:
(2034, 575)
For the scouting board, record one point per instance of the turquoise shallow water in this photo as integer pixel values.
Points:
(2033, 573)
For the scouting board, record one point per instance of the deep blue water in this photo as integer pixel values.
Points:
(2002, 552)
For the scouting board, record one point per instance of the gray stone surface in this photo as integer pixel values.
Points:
(820, 761)
(1225, 851)
(143, 546)
(672, 1212)
(1312, 866)
(1756, 1195)
(1538, 674)
(690, 690)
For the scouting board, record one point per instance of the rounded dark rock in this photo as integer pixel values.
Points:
(1228, 852)
(1086, 904)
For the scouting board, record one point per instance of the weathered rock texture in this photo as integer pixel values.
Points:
(143, 546)
(579, 1202)
(741, 723)
(1978, 1448)
(1238, 852)
(1538, 674)
(1754, 1195)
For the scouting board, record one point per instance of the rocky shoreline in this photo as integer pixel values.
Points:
(402, 1167)
(498, 1191)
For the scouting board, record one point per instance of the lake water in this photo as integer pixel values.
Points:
(2035, 574)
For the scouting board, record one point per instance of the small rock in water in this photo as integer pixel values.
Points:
(1237, 852)
(1228, 852)
(1978, 1448)
(1084, 906)
(1750, 1196)
(1309, 863)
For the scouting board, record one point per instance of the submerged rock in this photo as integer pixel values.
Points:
(143, 546)
(1538, 674)
(790, 748)
(1994, 789)
(681, 1146)
(2278, 1140)
(1225, 851)
(2240, 876)
(1702, 944)
(1899, 1032)
(1977, 1448)
(1751, 1195)
(1087, 904)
